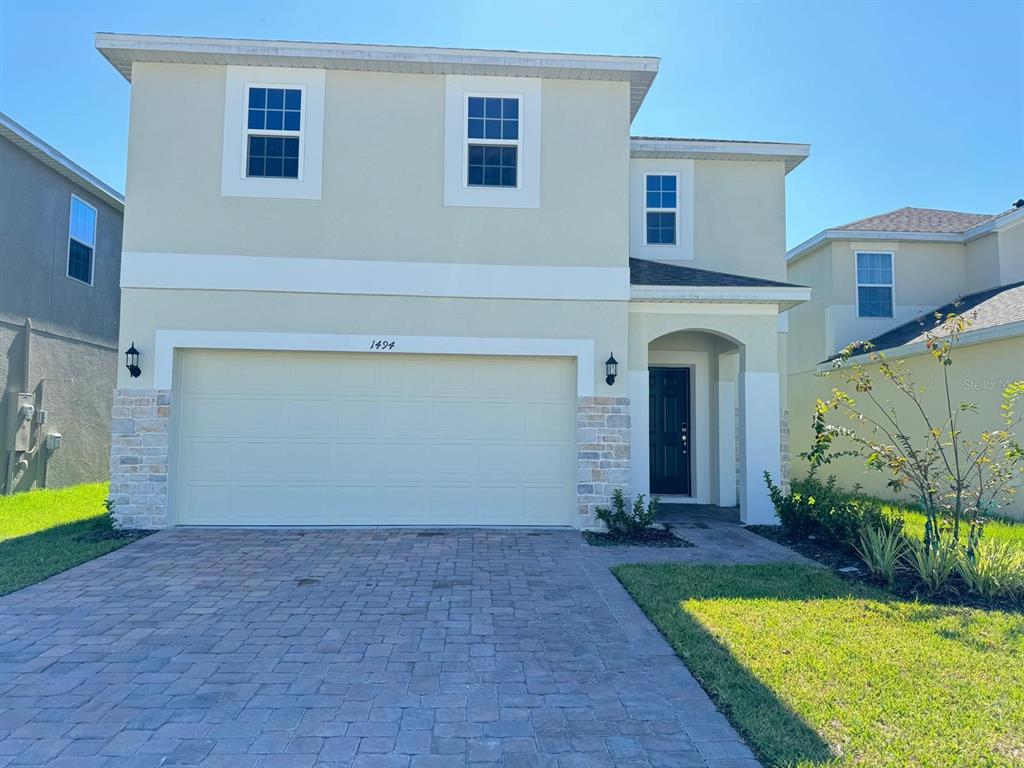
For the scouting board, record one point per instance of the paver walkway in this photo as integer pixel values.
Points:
(283, 648)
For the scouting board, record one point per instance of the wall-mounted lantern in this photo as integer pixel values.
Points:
(131, 361)
(611, 370)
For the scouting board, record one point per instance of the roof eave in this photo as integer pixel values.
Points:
(786, 297)
(53, 158)
(790, 154)
(854, 235)
(997, 224)
(913, 349)
(121, 50)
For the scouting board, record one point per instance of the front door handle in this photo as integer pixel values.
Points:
(682, 433)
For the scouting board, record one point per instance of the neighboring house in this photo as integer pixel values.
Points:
(883, 279)
(60, 258)
(385, 285)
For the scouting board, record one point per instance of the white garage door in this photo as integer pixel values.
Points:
(296, 438)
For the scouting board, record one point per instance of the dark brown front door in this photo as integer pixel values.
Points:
(670, 431)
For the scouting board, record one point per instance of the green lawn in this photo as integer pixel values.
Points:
(913, 524)
(813, 670)
(46, 532)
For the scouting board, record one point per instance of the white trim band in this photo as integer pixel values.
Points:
(785, 297)
(380, 278)
(167, 341)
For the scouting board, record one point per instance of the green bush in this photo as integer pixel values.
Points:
(993, 569)
(882, 549)
(624, 523)
(821, 509)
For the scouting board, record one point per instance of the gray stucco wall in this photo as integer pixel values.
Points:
(74, 354)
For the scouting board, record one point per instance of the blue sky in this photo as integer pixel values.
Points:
(903, 103)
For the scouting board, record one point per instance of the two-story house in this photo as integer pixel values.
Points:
(425, 286)
(890, 279)
(60, 257)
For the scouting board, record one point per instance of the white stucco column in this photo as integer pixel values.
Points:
(728, 373)
(640, 448)
(759, 446)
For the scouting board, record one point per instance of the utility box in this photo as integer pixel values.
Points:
(24, 410)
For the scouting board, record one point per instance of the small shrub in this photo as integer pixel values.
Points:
(623, 522)
(993, 569)
(934, 563)
(882, 549)
(822, 509)
(794, 509)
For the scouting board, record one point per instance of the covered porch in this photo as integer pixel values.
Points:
(706, 375)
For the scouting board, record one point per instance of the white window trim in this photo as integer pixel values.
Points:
(299, 134)
(92, 245)
(517, 143)
(674, 211)
(457, 192)
(234, 167)
(890, 285)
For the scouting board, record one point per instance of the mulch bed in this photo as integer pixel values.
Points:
(652, 537)
(113, 534)
(852, 568)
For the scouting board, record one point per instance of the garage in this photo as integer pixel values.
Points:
(308, 438)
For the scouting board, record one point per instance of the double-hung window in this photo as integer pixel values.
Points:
(660, 208)
(492, 141)
(273, 132)
(874, 284)
(81, 241)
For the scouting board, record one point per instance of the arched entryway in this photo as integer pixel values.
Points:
(704, 406)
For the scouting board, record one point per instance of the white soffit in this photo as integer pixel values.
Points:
(122, 50)
(786, 297)
(718, 149)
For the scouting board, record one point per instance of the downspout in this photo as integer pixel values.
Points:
(28, 354)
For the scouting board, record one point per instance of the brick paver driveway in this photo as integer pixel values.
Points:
(282, 648)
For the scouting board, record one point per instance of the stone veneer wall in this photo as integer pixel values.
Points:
(602, 451)
(138, 457)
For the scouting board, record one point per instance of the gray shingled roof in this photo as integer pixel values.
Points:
(986, 309)
(919, 220)
(644, 272)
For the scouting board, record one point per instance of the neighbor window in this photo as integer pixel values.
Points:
(81, 240)
(273, 132)
(492, 141)
(874, 285)
(660, 206)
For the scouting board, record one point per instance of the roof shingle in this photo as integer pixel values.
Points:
(644, 272)
(919, 220)
(986, 309)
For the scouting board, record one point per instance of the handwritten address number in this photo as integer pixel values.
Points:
(383, 345)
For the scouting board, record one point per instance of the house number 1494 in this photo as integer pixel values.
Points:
(384, 345)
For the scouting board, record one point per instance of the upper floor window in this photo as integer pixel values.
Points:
(492, 137)
(273, 132)
(81, 240)
(874, 284)
(660, 208)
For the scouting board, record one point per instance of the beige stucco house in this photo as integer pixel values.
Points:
(883, 280)
(424, 286)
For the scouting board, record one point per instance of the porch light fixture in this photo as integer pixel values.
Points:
(611, 369)
(131, 362)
